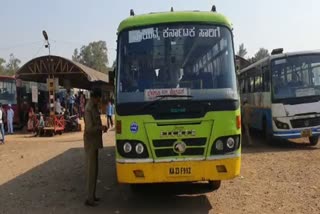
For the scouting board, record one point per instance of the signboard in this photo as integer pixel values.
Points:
(34, 91)
(153, 94)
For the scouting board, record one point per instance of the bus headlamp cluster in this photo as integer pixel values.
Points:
(226, 144)
(132, 149)
(281, 125)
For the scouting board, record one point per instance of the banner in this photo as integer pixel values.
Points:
(153, 94)
(34, 91)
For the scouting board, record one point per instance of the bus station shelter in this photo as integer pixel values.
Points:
(69, 74)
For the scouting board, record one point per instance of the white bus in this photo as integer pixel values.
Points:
(283, 91)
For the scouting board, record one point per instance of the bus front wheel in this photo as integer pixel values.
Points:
(214, 185)
(314, 140)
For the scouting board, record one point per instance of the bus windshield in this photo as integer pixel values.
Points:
(8, 91)
(191, 60)
(296, 76)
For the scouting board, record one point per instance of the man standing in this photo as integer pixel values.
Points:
(246, 121)
(110, 112)
(92, 143)
(10, 116)
(1, 124)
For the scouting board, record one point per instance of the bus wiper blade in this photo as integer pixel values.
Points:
(160, 97)
(172, 95)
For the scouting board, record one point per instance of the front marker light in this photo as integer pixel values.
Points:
(230, 143)
(139, 148)
(127, 147)
(219, 145)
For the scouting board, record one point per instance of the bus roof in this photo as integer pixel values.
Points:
(277, 56)
(174, 17)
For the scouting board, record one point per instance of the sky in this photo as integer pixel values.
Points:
(290, 24)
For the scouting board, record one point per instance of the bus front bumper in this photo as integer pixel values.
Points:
(182, 171)
(292, 134)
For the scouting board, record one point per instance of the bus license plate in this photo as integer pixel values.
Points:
(180, 171)
(306, 133)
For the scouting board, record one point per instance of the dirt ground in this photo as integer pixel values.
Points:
(46, 175)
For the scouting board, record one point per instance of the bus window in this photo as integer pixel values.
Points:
(266, 80)
(8, 92)
(316, 74)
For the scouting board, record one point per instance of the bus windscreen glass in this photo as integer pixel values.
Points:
(296, 76)
(181, 59)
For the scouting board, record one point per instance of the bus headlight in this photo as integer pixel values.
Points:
(133, 149)
(127, 147)
(139, 148)
(281, 125)
(226, 144)
(230, 143)
(219, 145)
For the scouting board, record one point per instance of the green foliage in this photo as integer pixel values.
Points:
(242, 52)
(93, 55)
(262, 53)
(2, 68)
(11, 67)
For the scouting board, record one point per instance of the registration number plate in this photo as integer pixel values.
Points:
(306, 133)
(180, 171)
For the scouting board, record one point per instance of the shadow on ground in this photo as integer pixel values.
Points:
(261, 145)
(57, 186)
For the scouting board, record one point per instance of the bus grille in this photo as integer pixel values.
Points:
(305, 122)
(197, 149)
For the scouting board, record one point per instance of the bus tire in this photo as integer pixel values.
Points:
(314, 140)
(214, 185)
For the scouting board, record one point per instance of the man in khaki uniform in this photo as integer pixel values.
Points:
(246, 121)
(92, 143)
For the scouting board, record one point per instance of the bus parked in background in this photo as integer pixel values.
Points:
(283, 91)
(8, 95)
(177, 105)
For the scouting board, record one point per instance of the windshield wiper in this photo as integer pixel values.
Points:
(160, 97)
(172, 95)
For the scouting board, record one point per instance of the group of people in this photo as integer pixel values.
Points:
(6, 116)
(73, 104)
(36, 122)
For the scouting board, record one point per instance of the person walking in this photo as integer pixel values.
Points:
(1, 124)
(246, 121)
(58, 107)
(92, 143)
(10, 116)
(31, 121)
(82, 105)
(110, 112)
(71, 103)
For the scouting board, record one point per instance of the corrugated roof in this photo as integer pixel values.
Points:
(79, 75)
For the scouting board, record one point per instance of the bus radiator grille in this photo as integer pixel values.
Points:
(171, 153)
(305, 122)
(188, 141)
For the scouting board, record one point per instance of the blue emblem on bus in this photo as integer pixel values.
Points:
(134, 127)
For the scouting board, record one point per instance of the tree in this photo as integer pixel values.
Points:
(93, 55)
(76, 56)
(262, 53)
(242, 52)
(13, 65)
(2, 68)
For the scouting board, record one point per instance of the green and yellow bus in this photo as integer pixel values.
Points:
(177, 103)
